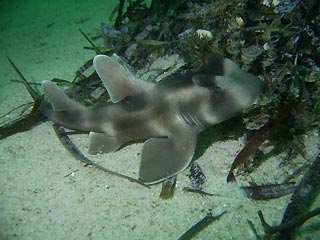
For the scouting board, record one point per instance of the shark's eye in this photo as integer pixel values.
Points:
(215, 90)
(202, 80)
(207, 81)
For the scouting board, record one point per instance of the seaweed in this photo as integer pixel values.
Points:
(196, 176)
(259, 137)
(23, 123)
(288, 226)
(200, 225)
(35, 96)
(95, 48)
(304, 196)
(168, 187)
(268, 191)
(119, 18)
(75, 152)
(28, 121)
(200, 191)
(297, 211)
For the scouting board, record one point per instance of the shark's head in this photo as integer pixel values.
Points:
(231, 89)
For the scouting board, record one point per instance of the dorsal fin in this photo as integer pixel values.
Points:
(118, 81)
(58, 98)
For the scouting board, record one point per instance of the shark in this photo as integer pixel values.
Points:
(167, 115)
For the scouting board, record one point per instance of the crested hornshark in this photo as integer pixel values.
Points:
(169, 114)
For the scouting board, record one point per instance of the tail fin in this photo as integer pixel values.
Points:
(58, 98)
(61, 108)
(64, 110)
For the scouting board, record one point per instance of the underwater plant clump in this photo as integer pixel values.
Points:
(280, 46)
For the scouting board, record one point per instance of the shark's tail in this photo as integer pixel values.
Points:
(64, 110)
(60, 108)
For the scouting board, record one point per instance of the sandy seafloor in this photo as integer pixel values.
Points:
(38, 200)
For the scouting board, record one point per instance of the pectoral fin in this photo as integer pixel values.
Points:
(103, 143)
(165, 157)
